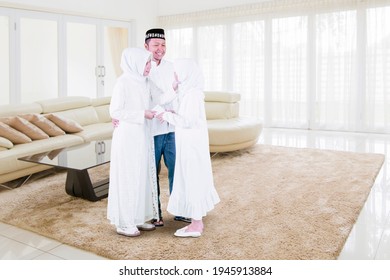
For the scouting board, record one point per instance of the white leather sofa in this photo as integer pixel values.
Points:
(228, 131)
(91, 114)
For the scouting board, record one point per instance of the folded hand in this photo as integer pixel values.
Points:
(160, 117)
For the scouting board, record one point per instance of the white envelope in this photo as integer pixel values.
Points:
(158, 109)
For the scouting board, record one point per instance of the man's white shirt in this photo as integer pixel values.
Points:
(162, 76)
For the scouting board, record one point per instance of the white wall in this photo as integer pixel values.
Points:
(142, 13)
(171, 7)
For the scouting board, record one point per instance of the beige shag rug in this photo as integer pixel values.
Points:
(276, 203)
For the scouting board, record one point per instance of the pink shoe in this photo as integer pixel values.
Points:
(128, 231)
(183, 233)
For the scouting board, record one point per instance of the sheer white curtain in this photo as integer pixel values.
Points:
(5, 61)
(289, 72)
(336, 93)
(316, 64)
(117, 41)
(247, 65)
(377, 93)
(210, 53)
(207, 44)
(180, 43)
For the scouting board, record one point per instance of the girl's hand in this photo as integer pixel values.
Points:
(160, 117)
(176, 82)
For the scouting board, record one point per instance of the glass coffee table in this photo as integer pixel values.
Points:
(76, 160)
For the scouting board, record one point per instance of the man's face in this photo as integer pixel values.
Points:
(157, 48)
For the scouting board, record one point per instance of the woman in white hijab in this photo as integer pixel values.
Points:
(132, 197)
(193, 193)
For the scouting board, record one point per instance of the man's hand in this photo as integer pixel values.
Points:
(149, 114)
(115, 122)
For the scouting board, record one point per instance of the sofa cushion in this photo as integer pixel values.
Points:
(63, 103)
(221, 96)
(221, 105)
(102, 107)
(14, 110)
(25, 127)
(221, 110)
(13, 135)
(101, 101)
(96, 131)
(103, 113)
(5, 143)
(83, 116)
(67, 125)
(44, 124)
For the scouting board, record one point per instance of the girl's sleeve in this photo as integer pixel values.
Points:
(190, 113)
(117, 107)
(160, 97)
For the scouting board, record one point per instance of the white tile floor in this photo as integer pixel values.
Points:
(369, 239)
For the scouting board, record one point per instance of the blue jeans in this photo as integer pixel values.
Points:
(164, 145)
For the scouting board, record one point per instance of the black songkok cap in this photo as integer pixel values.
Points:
(155, 33)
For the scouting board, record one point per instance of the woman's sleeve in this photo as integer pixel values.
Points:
(117, 107)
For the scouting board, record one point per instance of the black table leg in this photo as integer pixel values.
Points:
(78, 184)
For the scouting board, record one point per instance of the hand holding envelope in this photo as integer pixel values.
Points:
(159, 112)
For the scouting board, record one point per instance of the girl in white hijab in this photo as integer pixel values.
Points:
(193, 193)
(132, 196)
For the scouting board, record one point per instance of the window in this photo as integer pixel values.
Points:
(289, 72)
(81, 59)
(179, 43)
(211, 53)
(49, 55)
(336, 70)
(4, 58)
(377, 94)
(297, 64)
(248, 65)
(39, 59)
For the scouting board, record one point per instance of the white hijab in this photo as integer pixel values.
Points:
(189, 74)
(133, 62)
